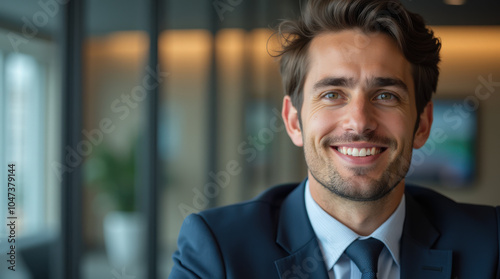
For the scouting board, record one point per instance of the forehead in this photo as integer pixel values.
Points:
(356, 55)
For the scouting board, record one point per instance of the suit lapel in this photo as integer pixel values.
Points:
(418, 260)
(296, 236)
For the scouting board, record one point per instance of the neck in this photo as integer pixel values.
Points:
(361, 217)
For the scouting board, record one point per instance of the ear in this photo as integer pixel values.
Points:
(291, 118)
(424, 127)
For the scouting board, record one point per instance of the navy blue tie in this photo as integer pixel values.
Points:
(364, 253)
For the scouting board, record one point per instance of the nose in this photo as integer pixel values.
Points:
(359, 117)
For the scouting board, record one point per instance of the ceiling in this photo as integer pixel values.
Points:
(103, 16)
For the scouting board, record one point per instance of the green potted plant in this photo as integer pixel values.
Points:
(114, 175)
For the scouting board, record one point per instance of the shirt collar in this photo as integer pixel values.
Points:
(334, 237)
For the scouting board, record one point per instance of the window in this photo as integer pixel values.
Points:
(29, 139)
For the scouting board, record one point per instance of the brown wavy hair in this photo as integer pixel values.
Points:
(416, 41)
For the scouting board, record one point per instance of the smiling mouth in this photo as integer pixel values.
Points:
(359, 152)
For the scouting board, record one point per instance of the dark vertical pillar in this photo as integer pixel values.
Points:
(212, 103)
(71, 186)
(150, 163)
(248, 173)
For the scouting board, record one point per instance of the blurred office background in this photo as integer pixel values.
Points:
(122, 117)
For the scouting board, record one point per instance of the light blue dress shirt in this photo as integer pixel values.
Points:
(334, 237)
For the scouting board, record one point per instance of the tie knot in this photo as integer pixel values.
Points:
(364, 253)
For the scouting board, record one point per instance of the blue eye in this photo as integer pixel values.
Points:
(386, 96)
(332, 95)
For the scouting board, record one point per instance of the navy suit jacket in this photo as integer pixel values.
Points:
(271, 237)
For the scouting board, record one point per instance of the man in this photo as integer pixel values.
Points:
(358, 77)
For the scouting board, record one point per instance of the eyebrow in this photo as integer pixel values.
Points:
(383, 82)
(334, 81)
(351, 82)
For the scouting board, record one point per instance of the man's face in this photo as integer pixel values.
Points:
(358, 115)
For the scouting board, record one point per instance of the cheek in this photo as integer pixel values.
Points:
(398, 125)
(321, 123)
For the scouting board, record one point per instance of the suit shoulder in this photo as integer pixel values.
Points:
(268, 201)
(444, 210)
(429, 196)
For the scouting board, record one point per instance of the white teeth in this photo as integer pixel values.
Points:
(355, 152)
(358, 152)
(362, 152)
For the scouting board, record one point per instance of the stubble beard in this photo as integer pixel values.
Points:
(326, 174)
